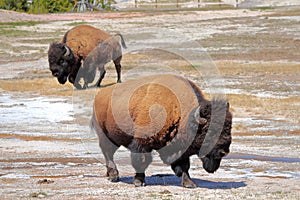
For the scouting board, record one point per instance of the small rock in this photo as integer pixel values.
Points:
(38, 195)
(45, 181)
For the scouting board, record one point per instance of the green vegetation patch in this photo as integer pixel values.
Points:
(263, 8)
(15, 24)
(8, 28)
(39, 40)
(14, 33)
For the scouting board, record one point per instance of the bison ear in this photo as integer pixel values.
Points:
(200, 120)
(51, 46)
(54, 44)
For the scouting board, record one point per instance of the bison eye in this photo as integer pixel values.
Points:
(221, 153)
(61, 61)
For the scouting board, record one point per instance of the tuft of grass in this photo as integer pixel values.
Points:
(262, 8)
(278, 192)
(38, 195)
(153, 195)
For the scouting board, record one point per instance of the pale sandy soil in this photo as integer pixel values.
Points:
(47, 150)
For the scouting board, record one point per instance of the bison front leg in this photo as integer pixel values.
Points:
(181, 168)
(140, 161)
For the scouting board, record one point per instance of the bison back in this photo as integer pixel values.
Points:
(83, 39)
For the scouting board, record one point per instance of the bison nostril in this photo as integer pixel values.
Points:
(55, 73)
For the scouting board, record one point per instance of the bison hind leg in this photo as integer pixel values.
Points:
(108, 150)
(118, 67)
(112, 171)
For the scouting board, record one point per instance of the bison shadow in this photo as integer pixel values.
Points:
(95, 86)
(172, 180)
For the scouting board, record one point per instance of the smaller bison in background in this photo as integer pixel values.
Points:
(166, 113)
(84, 43)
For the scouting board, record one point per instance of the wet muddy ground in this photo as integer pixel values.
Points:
(48, 151)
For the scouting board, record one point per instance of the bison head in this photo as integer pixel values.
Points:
(215, 121)
(211, 162)
(61, 61)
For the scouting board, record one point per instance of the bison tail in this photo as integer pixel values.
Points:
(94, 126)
(92, 123)
(122, 40)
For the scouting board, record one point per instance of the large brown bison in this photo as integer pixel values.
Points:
(66, 57)
(166, 113)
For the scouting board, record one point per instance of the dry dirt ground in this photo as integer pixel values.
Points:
(47, 150)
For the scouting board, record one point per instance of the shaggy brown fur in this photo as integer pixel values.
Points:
(166, 113)
(65, 57)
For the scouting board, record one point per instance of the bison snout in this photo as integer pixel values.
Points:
(62, 79)
(211, 165)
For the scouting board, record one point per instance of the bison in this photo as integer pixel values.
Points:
(65, 58)
(166, 113)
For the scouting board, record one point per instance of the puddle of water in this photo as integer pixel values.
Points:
(262, 3)
(237, 173)
(291, 18)
(16, 176)
(34, 110)
(255, 124)
(35, 115)
(262, 89)
(262, 158)
(252, 166)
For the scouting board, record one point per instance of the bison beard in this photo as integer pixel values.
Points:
(82, 43)
(189, 125)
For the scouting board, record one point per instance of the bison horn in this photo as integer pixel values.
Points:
(199, 120)
(67, 51)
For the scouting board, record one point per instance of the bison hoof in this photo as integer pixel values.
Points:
(187, 182)
(139, 183)
(189, 185)
(119, 81)
(139, 180)
(113, 174)
(114, 179)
